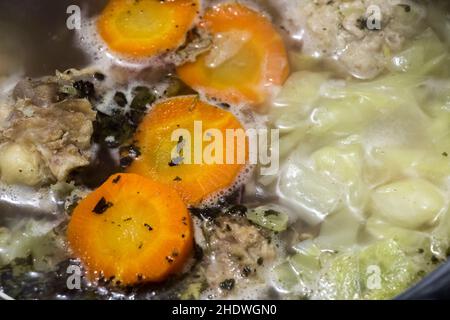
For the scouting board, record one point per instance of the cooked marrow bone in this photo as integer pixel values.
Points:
(42, 140)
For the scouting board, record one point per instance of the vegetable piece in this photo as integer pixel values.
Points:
(20, 165)
(340, 280)
(407, 238)
(307, 261)
(269, 217)
(285, 278)
(146, 27)
(340, 230)
(429, 164)
(142, 233)
(426, 54)
(380, 270)
(296, 98)
(171, 153)
(386, 270)
(411, 203)
(344, 163)
(315, 193)
(32, 238)
(248, 56)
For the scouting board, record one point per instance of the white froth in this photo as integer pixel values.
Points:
(248, 120)
(92, 43)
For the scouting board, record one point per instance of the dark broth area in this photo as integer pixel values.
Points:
(36, 34)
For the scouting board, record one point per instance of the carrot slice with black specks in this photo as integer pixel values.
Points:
(194, 181)
(143, 28)
(247, 59)
(132, 229)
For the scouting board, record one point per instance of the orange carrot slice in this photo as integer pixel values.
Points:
(195, 180)
(247, 58)
(143, 28)
(132, 229)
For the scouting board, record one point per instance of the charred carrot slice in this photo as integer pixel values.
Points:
(176, 122)
(132, 229)
(248, 56)
(142, 28)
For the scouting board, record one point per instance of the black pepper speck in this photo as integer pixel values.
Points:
(101, 206)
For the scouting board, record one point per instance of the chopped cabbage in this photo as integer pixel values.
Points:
(294, 102)
(411, 203)
(270, 217)
(306, 262)
(381, 270)
(411, 240)
(386, 260)
(340, 279)
(370, 162)
(425, 55)
(315, 195)
(286, 279)
(344, 163)
(340, 230)
(32, 238)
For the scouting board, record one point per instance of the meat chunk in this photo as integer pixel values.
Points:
(356, 36)
(43, 144)
(236, 250)
(40, 93)
(5, 110)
